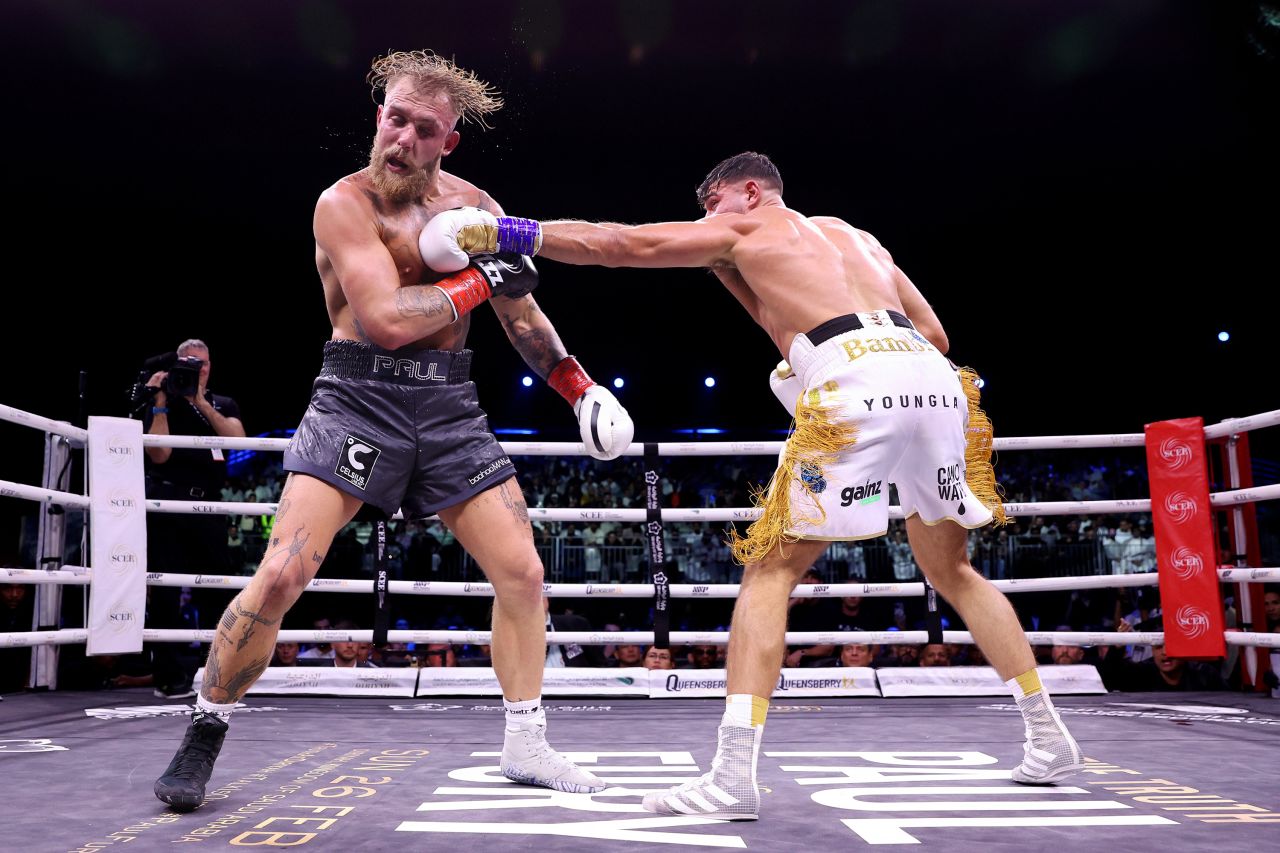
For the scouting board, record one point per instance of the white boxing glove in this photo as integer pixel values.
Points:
(605, 426)
(438, 242)
(786, 386)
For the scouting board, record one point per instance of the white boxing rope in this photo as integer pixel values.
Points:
(1252, 494)
(77, 575)
(1246, 575)
(60, 637)
(678, 638)
(10, 489)
(1252, 638)
(1231, 426)
(221, 442)
(78, 435)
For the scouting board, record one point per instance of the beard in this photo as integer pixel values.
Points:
(397, 189)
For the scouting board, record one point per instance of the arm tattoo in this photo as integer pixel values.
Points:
(422, 301)
(540, 348)
(513, 498)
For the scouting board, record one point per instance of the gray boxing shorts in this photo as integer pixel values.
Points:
(398, 429)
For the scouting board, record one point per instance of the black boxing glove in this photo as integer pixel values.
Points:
(508, 275)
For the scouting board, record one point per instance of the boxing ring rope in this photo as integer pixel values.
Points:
(74, 575)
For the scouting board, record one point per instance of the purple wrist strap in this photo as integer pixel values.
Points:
(518, 235)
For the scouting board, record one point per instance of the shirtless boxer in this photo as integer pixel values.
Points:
(394, 422)
(875, 402)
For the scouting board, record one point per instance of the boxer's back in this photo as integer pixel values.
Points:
(804, 271)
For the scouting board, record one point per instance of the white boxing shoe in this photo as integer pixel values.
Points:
(527, 758)
(728, 791)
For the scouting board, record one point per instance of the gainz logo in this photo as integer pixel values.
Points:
(1181, 506)
(1192, 621)
(1187, 563)
(1176, 453)
(867, 493)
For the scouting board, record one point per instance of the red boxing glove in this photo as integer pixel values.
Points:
(569, 380)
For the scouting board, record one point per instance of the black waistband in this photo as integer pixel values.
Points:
(421, 367)
(847, 323)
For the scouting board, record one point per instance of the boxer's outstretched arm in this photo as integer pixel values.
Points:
(704, 243)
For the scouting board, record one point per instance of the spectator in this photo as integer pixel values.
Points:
(183, 405)
(628, 655)
(1064, 654)
(1271, 607)
(286, 654)
(656, 658)
(319, 650)
(703, 657)
(935, 654)
(437, 654)
(806, 615)
(15, 616)
(570, 654)
(856, 654)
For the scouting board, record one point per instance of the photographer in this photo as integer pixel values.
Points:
(180, 404)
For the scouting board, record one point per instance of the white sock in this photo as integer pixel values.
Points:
(526, 714)
(222, 712)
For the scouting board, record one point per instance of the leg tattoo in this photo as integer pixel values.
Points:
(513, 499)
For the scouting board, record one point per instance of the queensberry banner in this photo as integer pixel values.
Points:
(981, 680)
(1186, 549)
(118, 536)
(834, 681)
(331, 681)
(569, 681)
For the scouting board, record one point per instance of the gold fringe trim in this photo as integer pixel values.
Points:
(817, 439)
(980, 472)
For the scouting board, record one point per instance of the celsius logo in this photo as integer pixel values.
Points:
(1187, 563)
(1193, 621)
(356, 460)
(1181, 506)
(1176, 453)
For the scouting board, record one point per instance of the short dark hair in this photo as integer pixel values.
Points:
(748, 164)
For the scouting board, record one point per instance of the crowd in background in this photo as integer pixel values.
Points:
(608, 551)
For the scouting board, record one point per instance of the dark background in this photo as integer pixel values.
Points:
(1086, 192)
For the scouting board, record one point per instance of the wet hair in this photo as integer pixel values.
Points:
(471, 98)
(748, 164)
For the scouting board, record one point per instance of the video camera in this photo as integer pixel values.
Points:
(182, 377)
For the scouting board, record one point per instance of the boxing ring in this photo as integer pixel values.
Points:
(399, 759)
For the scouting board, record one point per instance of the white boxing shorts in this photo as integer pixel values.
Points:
(906, 414)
